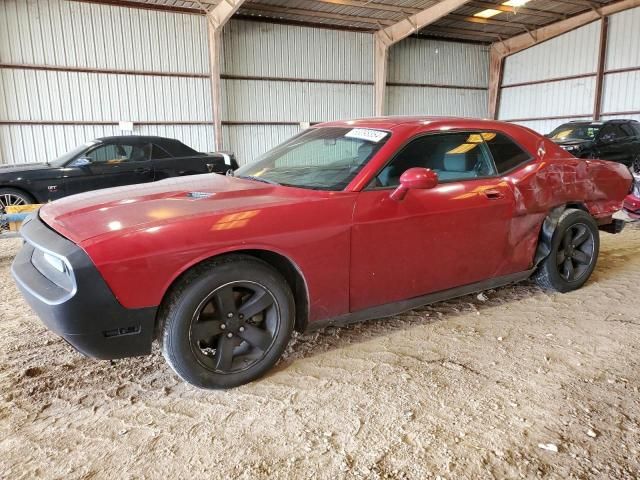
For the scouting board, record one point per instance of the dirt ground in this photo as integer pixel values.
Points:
(471, 388)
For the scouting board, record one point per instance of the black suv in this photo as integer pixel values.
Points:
(615, 140)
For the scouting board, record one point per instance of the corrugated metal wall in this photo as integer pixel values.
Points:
(68, 76)
(574, 54)
(276, 76)
(422, 73)
(621, 89)
(530, 95)
(71, 70)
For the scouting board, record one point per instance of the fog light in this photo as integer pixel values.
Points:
(55, 262)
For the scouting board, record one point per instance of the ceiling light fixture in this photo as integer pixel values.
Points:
(515, 3)
(488, 13)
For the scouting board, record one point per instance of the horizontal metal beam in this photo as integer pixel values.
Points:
(550, 80)
(293, 79)
(110, 71)
(586, 116)
(433, 85)
(103, 122)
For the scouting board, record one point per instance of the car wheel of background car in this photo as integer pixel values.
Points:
(227, 322)
(573, 252)
(11, 196)
(635, 163)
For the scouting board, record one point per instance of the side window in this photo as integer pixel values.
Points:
(636, 128)
(158, 153)
(506, 154)
(453, 156)
(118, 153)
(611, 133)
(627, 129)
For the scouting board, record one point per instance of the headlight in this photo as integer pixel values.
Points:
(55, 262)
(570, 148)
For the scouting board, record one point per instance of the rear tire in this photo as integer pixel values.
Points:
(227, 322)
(574, 249)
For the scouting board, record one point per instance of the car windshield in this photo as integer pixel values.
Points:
(70, 155)
(569, 131)
(324, 158)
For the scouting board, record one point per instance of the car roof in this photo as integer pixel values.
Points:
(136, 139)
(601, 122)
(392, 122)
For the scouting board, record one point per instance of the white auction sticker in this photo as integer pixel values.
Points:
(366, 134)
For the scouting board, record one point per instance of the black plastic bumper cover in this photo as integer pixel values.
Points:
(88, 316)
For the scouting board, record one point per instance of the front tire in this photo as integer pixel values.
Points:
(574, 249)
(227, 322)
(635, 164)
(12, 196)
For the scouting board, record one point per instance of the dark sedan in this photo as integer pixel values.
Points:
(106, 162)
(615, 140)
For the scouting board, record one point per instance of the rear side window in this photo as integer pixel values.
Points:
(611, 133)
(178, 149)
(636, 127)
(628, 130)
(157, 153)
(506, 154)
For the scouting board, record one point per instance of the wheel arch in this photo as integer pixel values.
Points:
(281, 263)
(20, 189)
(548, 227)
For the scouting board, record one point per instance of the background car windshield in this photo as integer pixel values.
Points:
(575, 132)
(64, 158)
(325, 158)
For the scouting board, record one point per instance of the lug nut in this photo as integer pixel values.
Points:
(230, 314)
(241, 316)
(241, 329)
(229, 334)
(223, 326)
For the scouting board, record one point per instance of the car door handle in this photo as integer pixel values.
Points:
(142, 170)
(493, 194)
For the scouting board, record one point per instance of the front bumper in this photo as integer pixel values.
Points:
(74, 301)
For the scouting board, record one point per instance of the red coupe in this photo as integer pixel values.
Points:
(346, 221)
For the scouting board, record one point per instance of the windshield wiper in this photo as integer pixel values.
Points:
(258, 179)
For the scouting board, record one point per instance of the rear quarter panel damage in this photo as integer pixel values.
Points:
(555, 181)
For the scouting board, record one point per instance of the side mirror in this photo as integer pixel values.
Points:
(81, 162)
(415, 178)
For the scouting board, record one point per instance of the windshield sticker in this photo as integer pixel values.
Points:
(366, 134)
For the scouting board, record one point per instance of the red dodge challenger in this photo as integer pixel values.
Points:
(344, 222)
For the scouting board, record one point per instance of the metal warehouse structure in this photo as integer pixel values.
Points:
(245, 75)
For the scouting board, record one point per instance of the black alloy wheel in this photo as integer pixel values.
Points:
(226, 322)
(234, 327)
(575, 254)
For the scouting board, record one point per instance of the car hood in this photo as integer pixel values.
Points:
(572, 143)
(117, 211)
(23, 167)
